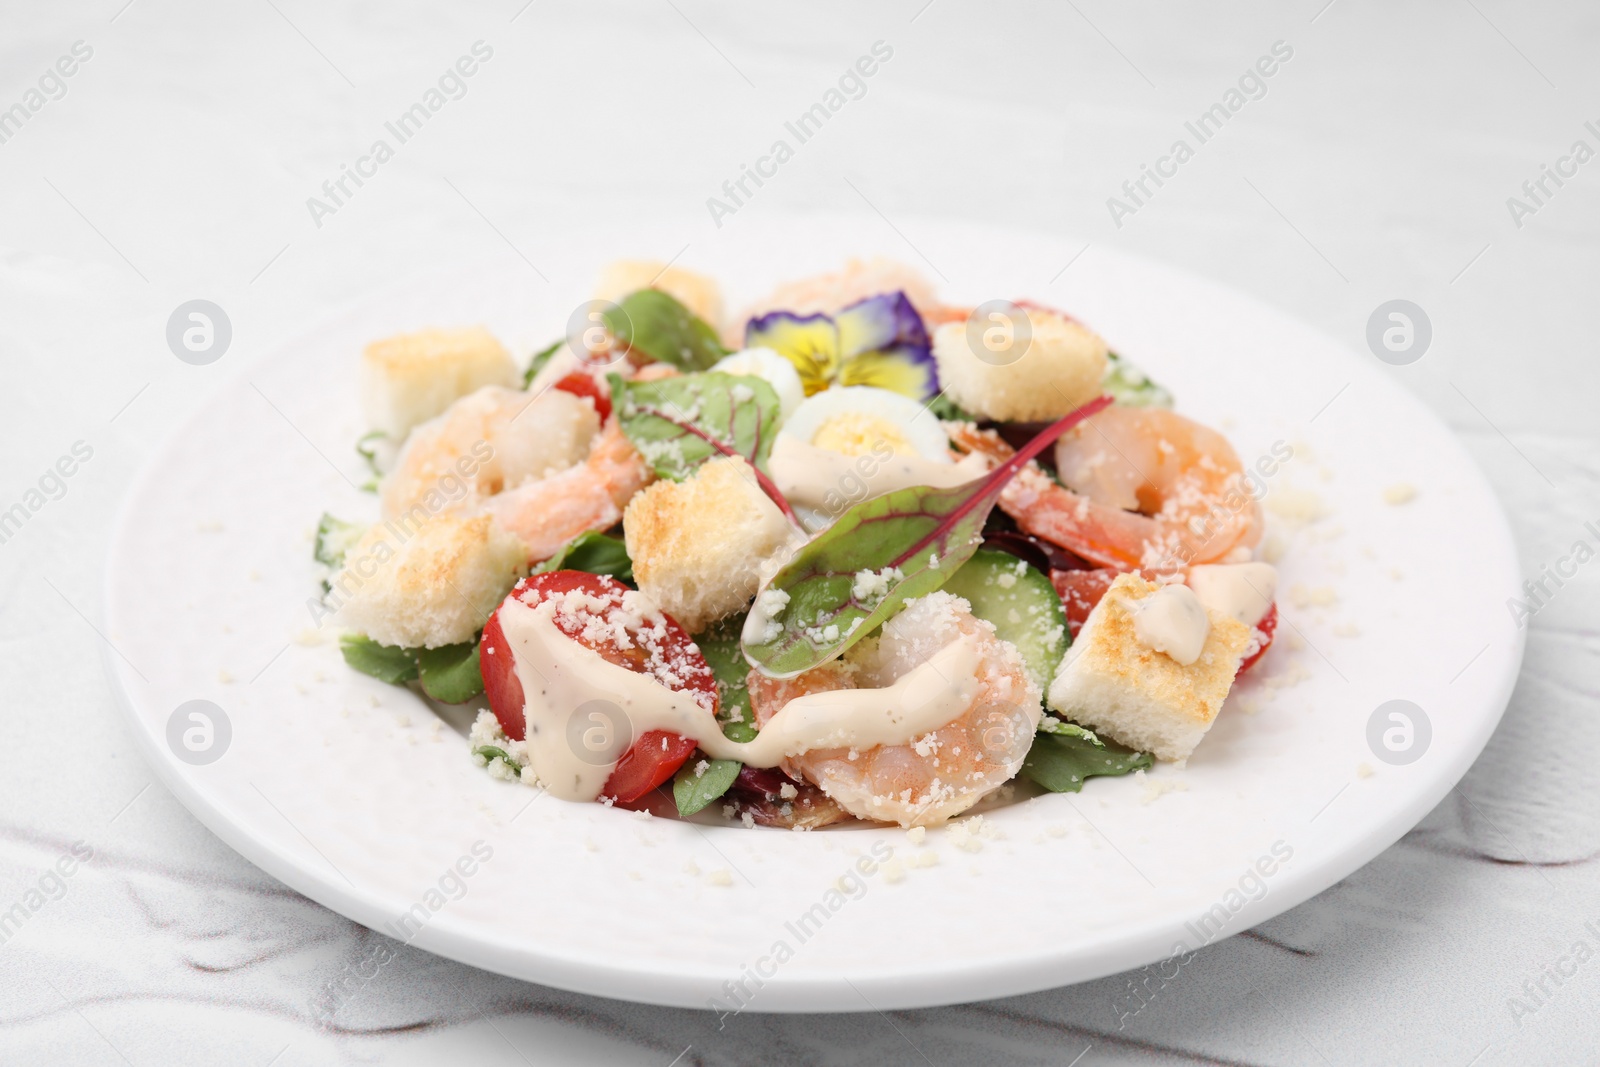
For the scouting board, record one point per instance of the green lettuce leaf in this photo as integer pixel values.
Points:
(1131, 386)
(540, 358)
(450, 674)
(947, 410)
(334, 538)
(366, 448)
(1062, 762)
(390, 663)
(1049, 724)
(593, 552)
(654, 323)
(678, 423)
(880, 553)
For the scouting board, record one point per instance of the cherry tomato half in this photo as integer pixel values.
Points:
(1266, 627)
(578, 383)
(666, 649)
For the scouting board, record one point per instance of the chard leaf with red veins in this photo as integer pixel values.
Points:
(680, 422)
(856, 574)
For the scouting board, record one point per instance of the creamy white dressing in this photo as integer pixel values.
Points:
(582, 712)
(1172, 620)
(1243, 591)
(818, 478)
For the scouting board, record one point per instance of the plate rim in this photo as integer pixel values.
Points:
(1108, 952)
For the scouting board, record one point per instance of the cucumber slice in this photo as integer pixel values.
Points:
(1022, 604)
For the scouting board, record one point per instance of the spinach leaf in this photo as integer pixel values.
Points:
(391, 663)
(679, 423)
(720, 647)
(880, 553)
(1061, 762)
(540, 358)
(663, 329)
(450, 674)
(594, 552)
(334, 538)
(693, 788)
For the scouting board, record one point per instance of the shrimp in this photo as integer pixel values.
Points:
(943, 772)
(548, 513)
(1145, 489)
(488, 441)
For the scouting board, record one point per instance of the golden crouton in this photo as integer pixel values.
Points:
(410, 378)
(698, 545)
(429, 584)
(1112, 682)
(1057, 370)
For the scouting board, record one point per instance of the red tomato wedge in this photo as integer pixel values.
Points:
(1264, 630)
(1080, 591)
(655, 645)
(580, 384)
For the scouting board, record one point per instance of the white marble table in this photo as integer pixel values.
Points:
(176, 160)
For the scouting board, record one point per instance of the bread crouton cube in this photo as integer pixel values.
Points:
(698, 546)
(408, 379)
(1113, 682)
(426, 585)
(698, 293)
(1057, 370)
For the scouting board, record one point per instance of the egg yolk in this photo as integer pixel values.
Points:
(856, 433)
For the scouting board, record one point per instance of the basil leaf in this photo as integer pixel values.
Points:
(678, 423)
(493, 752)
(654, 323)
(390, 663)
(540, 358)
(1062, 763)
(880, 553)
(334, 538)
(1131, 386)
(694, 791)
(593, 552)
(450, 674)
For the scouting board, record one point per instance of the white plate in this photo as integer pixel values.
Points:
(324, 785)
